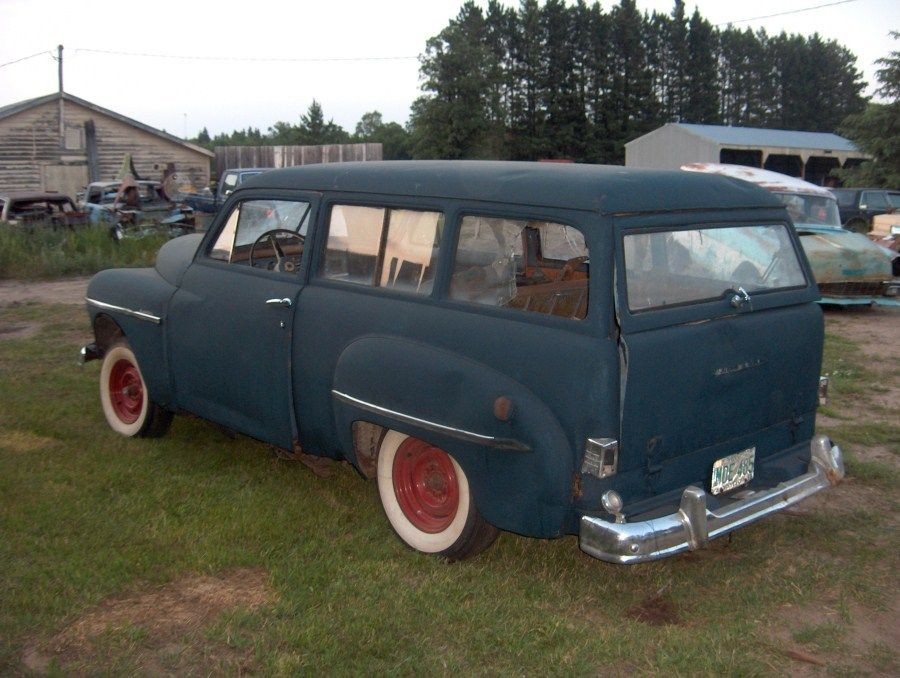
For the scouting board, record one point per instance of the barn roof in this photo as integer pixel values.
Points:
(19, 106)
(757, 136)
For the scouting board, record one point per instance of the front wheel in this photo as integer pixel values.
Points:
(426, 497)
(123, 395)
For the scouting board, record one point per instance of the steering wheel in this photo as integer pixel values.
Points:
(569, 268)
(284, 263)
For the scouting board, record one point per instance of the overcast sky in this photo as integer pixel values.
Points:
(183, 95)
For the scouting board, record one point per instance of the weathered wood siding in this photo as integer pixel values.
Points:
(29, 140)
(232, 157)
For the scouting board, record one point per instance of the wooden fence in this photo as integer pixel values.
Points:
(233, 157)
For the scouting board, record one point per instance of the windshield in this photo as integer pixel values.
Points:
(811, 209)
(669, 268)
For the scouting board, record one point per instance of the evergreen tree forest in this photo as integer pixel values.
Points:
(572, 81)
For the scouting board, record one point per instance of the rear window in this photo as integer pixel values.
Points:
(670, 268)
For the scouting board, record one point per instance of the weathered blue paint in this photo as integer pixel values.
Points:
(679, 387)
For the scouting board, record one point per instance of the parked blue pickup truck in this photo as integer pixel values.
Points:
(210, 203)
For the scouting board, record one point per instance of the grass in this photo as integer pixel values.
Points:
(46, 253)
(86, 515)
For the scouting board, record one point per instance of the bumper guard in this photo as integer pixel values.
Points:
(694, 525)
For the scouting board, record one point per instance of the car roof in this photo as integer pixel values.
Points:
(772, 181)
(609, 189)
(33, 195)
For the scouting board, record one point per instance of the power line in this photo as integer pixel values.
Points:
(10, 63)
(791, 11)
(188, 57)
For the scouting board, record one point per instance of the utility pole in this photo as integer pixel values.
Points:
(62, 118)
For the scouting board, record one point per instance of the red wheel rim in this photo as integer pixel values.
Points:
(126, 391)
(426, 485)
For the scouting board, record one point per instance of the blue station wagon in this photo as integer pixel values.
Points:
(631, 356)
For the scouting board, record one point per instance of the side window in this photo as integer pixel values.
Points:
(383, 247)
(264, 234)
(536, 266)
(874, 200)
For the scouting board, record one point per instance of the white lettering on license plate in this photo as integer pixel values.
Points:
(733, 471)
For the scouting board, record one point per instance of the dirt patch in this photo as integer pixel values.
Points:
(656, 611)
(24, 441)
(158, 630)
(839, 635)
(875, 330)
(18, 330)
(67, 291)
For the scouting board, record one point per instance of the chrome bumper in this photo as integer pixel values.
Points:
(693, 525)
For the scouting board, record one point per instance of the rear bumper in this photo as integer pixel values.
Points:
(694, 525)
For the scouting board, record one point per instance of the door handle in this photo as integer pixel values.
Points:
(286, 303)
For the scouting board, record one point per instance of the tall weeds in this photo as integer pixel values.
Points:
(44, 253)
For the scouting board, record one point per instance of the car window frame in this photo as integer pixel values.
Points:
(519, 213)
(301, 275)
(377, 201)
(706, 310)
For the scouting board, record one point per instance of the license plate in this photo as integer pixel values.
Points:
(733, 471)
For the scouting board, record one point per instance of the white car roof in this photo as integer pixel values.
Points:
(772, 181)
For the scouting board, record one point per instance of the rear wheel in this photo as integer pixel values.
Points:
(426, 497)
(123, 395)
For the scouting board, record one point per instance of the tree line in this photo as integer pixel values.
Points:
(573, 81)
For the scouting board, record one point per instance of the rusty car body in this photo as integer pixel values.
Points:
(40, 209)
(630, 356)
(103, 202)
(849, 268)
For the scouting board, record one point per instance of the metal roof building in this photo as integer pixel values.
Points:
(809, 155)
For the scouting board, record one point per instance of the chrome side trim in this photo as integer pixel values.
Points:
(693, 525)
(140, 315)
(458, 433)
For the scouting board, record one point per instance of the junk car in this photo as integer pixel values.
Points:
(849, 267)
(28, 208)
(631, 356)
(105, 202)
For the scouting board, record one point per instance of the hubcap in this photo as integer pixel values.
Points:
(426, 485)
(126, 391)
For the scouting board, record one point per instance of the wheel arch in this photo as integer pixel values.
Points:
(514, 451)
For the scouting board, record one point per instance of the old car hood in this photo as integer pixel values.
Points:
(838, 255)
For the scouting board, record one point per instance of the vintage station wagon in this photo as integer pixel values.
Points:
(627, 355)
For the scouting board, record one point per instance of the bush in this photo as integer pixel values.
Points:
(47, 253)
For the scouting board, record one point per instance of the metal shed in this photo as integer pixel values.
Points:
(808, 155)
(60, 142)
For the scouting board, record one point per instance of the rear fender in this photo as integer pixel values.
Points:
(514, 453)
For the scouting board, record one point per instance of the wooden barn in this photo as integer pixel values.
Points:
(60, 142)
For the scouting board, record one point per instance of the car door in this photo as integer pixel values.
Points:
(230, 323)
(721, 346)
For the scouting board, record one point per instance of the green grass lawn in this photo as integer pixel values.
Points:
(94, 526)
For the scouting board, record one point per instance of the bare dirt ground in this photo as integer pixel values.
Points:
(168, 621)
(66, 291)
